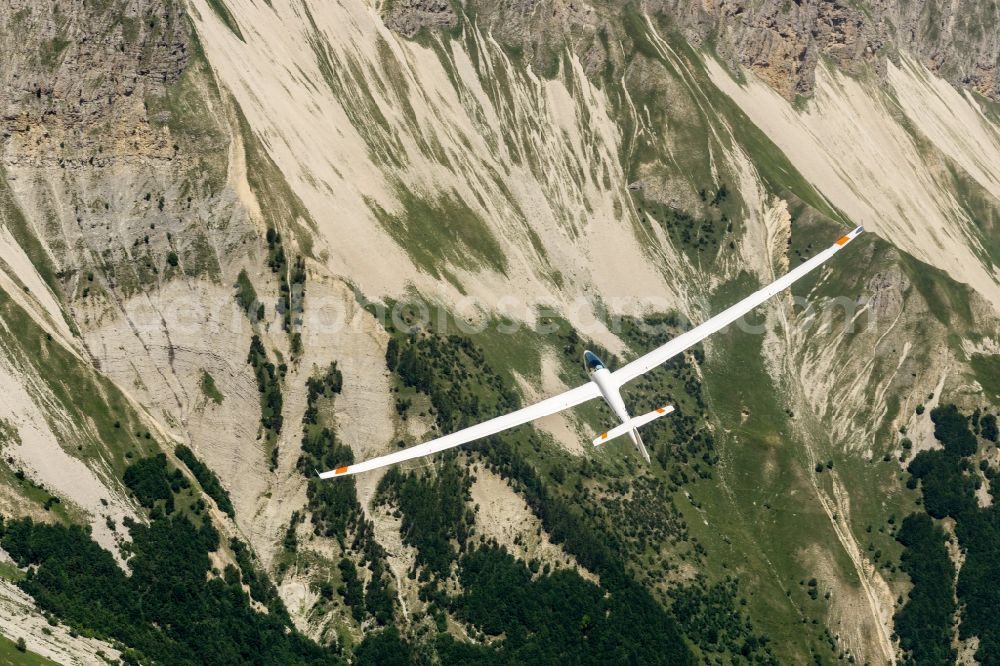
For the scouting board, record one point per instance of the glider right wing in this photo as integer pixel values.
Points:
(660, 355)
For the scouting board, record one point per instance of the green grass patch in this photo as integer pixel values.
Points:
(283, 210)
(18, 225)
(51, 50)
(189, 108)
(11, 654)
(226, 16)
(209, 389)
(762, 514)
(37, 494)
(8, 433)
(104, 425)
(441, 229)
(987, 371)
(10, 572)
(948, 300)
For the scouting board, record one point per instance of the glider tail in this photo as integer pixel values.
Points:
(631, 428)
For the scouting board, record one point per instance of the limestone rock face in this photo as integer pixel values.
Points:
(76, 90)
(957, 40)
(407, 17)
(782, 41)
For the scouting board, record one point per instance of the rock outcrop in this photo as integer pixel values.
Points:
(407, 17)
(76, 91)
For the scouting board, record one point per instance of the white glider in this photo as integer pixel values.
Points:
(604, 383)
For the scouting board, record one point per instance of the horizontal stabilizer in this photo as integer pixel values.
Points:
(631, 424)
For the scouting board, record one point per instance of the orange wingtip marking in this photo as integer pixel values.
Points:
(660, 410)
(604, 435)
(340, 470)
(843, 240)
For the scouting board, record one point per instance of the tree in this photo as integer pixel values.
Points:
(947, 491)
(988, 427)
(172, 258)
(924, 624)
(21, 645)
(951, 428)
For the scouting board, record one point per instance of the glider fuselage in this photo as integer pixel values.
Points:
(601, 376)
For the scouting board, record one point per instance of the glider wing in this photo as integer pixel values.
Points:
(558, 403)
(660, 355)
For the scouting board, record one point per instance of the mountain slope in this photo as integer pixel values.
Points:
(206, 205)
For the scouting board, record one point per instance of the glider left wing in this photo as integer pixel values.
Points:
(557, 403)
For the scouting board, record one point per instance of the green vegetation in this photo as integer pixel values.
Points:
(189, 107)
(320, 451)
(35, 493)
(246, 295)
(169, 610)
(752, 516)
(51, 49)
(351, 589)
(291, 287)
(924, 624)
(948, 300)
(947, 490)
(281, 207)
(952, 429)
(949, 480)
(383, 648)
(335, 509)
(150, 481)
(334, 506)
(209, 389)
(463, 388)
(260, 586)
(103, 420)
(500, 595)
(172, 608)
(269, 386)
(16, 653)
(8, 433)
(700, 239)
(988, 427)
(434, 512)
(709, 615)
(10, 572)
(208, 480)
(442, 229)
(987, 370)
(555, 618)
(222, 11)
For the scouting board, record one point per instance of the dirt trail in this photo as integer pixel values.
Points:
(877, 593)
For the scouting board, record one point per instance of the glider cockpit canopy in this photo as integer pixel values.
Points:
(591, 362)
